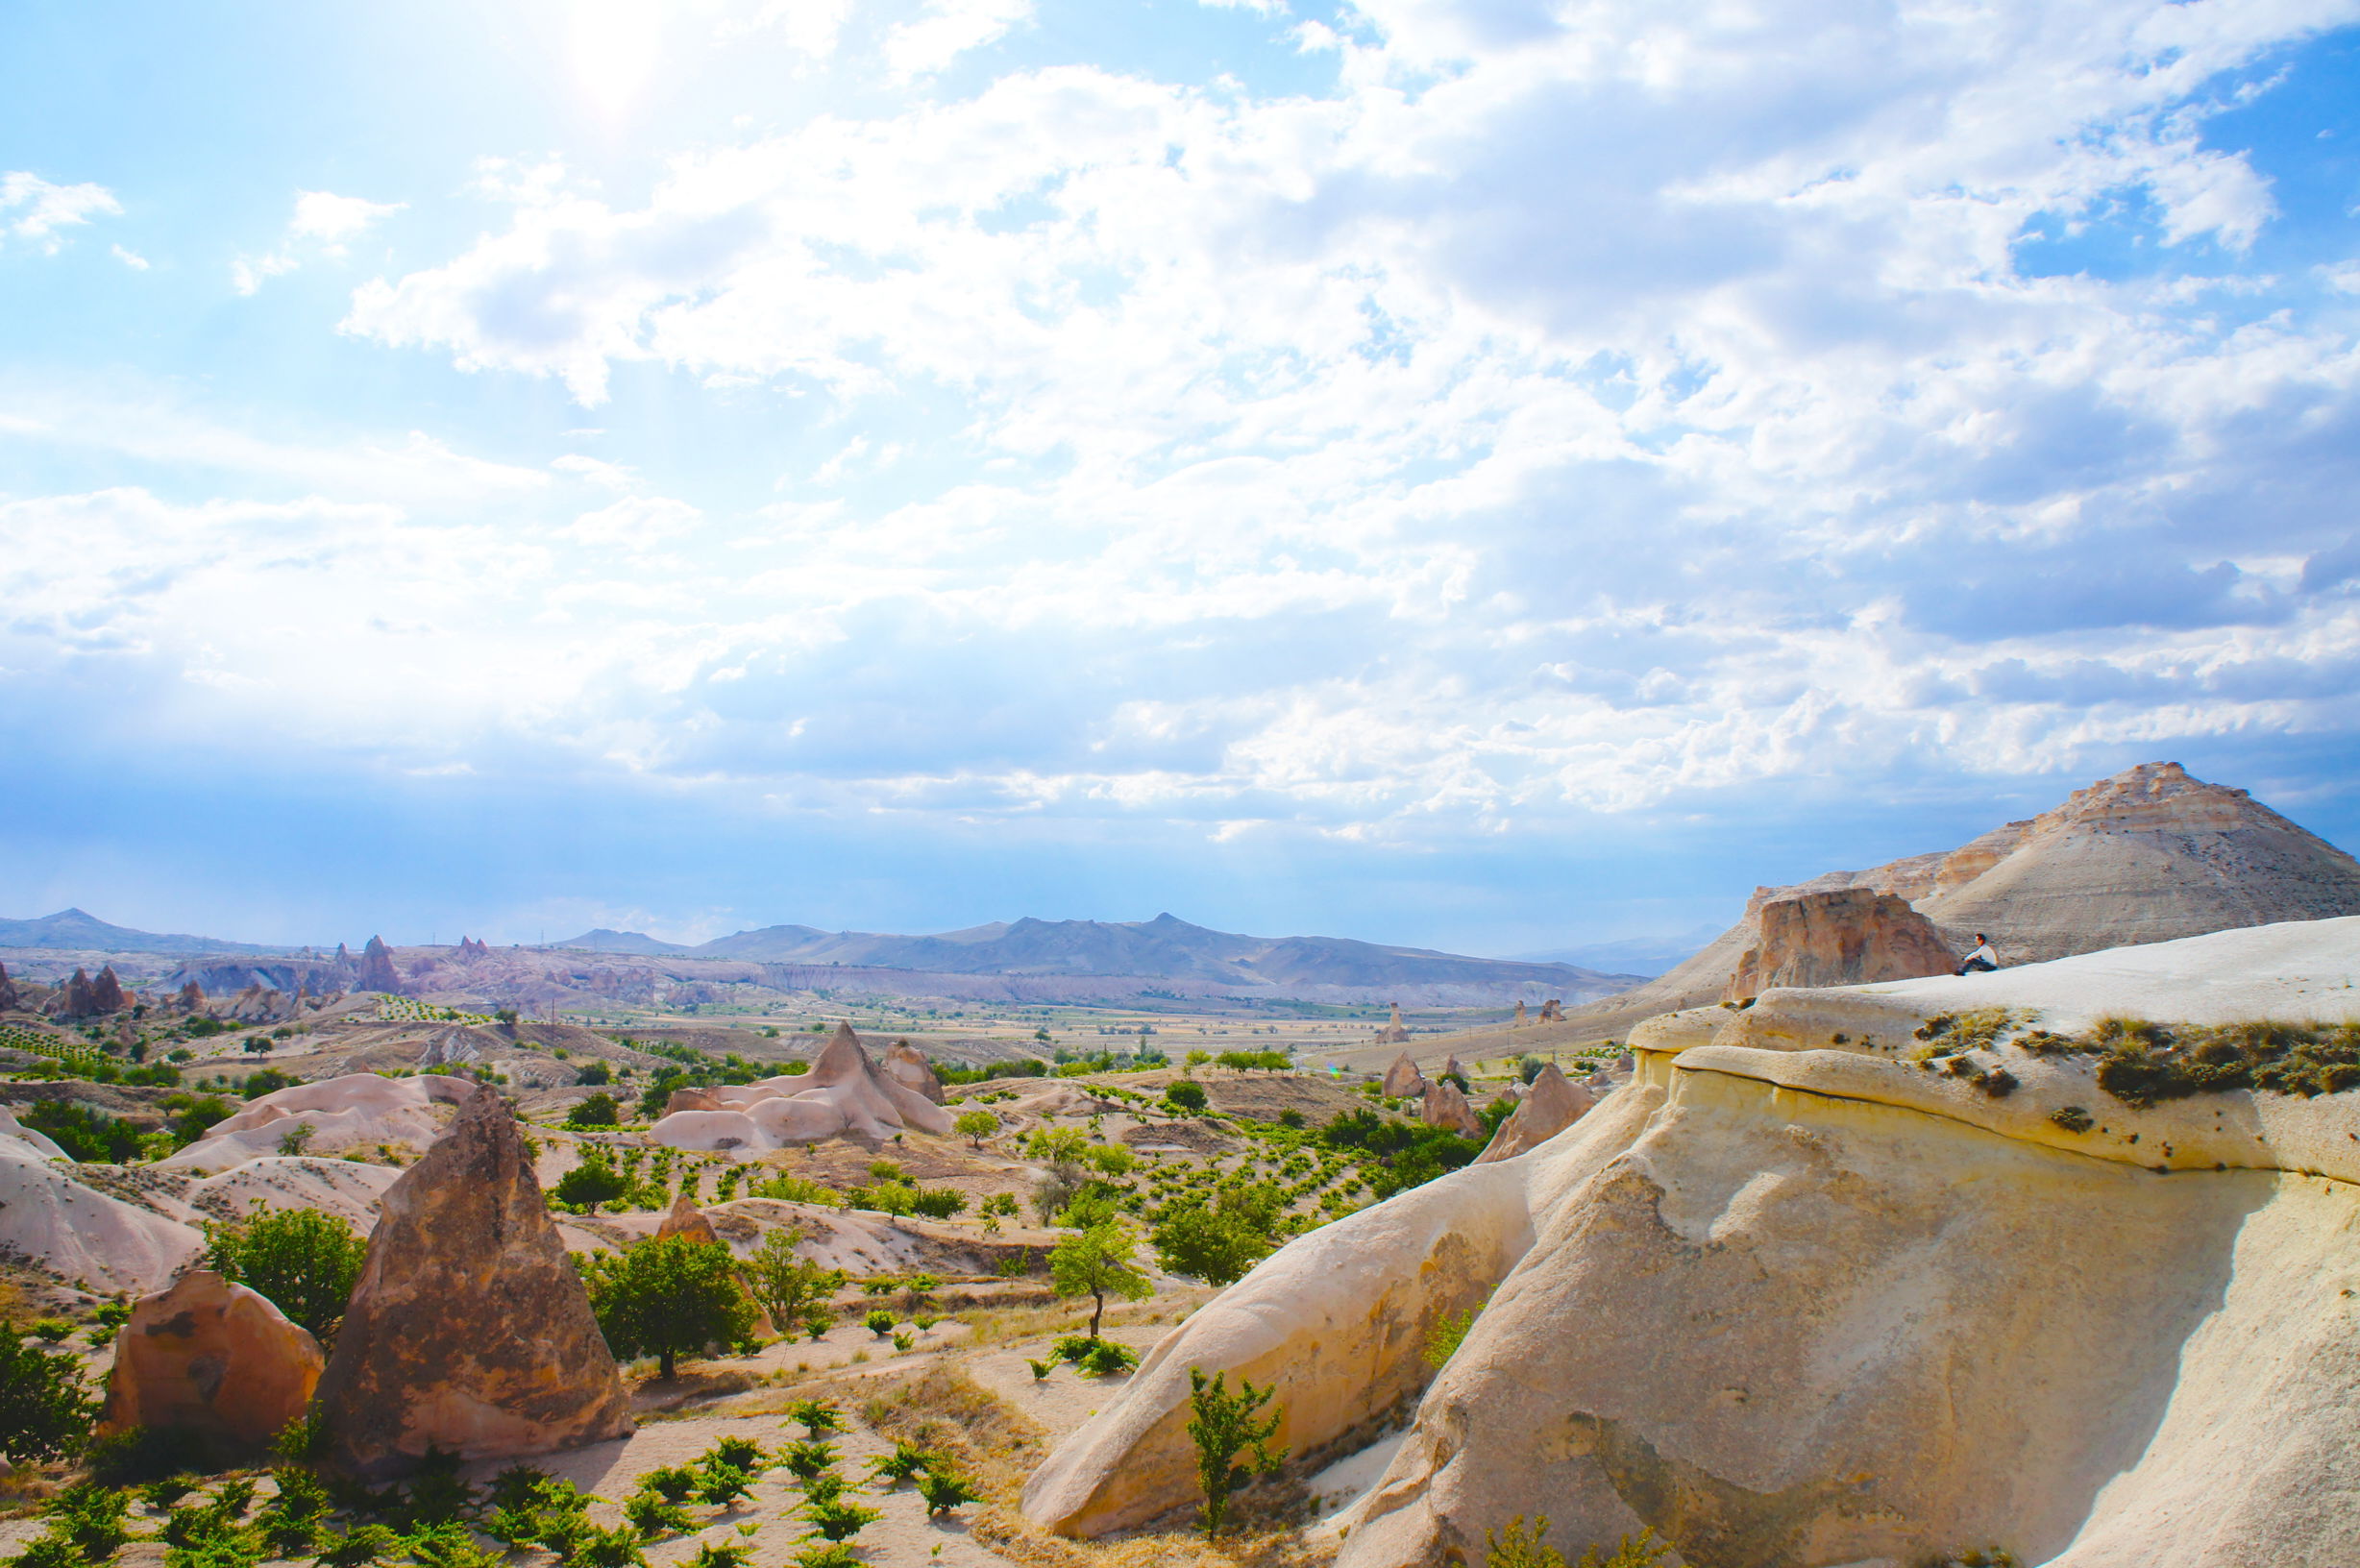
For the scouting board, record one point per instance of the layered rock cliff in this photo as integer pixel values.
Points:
(1797, 1298)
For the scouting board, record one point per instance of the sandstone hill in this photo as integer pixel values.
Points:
(1838, 1301)
(2147, 855)
(845, 1092)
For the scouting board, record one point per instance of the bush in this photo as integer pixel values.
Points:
(668, 1296)
(597, 1111)
(1517, 1550)
(880, 1322)
(90, 1136)
(1218, 1241)
(305, 1262)
(1186, 1097)
(591, 1074)
(1224, 1424)
(938, 1201)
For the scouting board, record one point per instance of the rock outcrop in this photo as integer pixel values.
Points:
(1845, 937)
(2147, 855)
(907, 1065)
(685, 1218)
(843, 1092)
(211, 1359)
(1553, 1010)
(1395, 1031)
(1551, 1105)
(376, 970)
(356, 1111)
(1444, 1107)
(1835, 1307)
(191, 997)
(1403, 1081)
(469, 1330)
(10, 1002)
(1521, 1018)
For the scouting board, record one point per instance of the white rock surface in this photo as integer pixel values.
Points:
(845, 1092)
(85, 1236)
(1798, 1304)
(358, 1111)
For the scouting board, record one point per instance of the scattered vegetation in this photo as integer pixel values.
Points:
(303, 1260)
(667, 1297)
(1224, 1425)
(1514, 1548)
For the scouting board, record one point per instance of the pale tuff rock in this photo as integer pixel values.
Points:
(907, 1065)
(1444, 1107)
(10, 1002)
(691, 1098)
(1553, 1010)
(214, 1359)
(1836, 1308)
(1550, 1106)
(468, 1331)
(1842, 938)
(685, 1218)
(1451, 1068)
(1403, 1081)
(81, 1236)
(347, 1189)
(843, 1092)
(2147, 855)
(358, 1111)
(1520, 1019)
(1395, 1031)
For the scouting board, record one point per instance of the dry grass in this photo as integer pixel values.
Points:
(1256, 1546)
(943, 1407)
(1001, 1326)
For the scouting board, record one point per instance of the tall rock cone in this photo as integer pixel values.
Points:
(1395, 1031)
(1446, 1108)
(685, 1218)
(1403, 1081)
(468, 1330)
(9, 999)
(376, 970)
(1553, 1104)
(107, 995)
(1522, 1019)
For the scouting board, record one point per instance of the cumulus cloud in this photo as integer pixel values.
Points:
(1549, 418)
(323, 227)
(34, 209)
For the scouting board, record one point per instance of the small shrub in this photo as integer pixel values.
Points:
(806, 1460)
(672, 1482)
(907, 1460)
(1224, 1425)
(2072, 1118)
(651, 1515)
(1108, 1359)
(815, 1416)
(880, 1322)
(1449, 1332)
(838, 1520)
(945, 1491)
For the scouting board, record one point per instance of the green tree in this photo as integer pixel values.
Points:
(1096, 1262)
(1056, 1145)
(668, 1296)
(1186, 1097)
(1224, 1425)
(303, 1260)
(590, 1183)
(45, 1412)
(1218, 1241)
(597, 1111)
(87, 1135)
(784, 1282)
(975, 1126)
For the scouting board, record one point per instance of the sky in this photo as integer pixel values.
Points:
(1483, 474)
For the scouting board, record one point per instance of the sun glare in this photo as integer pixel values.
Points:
(612, 47)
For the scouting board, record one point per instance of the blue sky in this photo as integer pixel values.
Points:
(1489, 475)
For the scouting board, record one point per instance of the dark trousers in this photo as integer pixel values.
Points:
(1975, 965)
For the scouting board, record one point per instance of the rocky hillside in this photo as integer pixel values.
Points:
(2147, 855)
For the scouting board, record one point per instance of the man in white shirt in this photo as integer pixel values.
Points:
(1983, 959)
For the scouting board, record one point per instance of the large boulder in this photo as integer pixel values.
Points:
(1403, 1081)
(1444, 1107)
(469, 1330)
(907, 1065)
(1831, 1306)
(1844, 937)
(214, 1359)
(1553, 1104)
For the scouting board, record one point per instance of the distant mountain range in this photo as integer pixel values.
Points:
(75, 931)
(1164, 946)
(1637, 955)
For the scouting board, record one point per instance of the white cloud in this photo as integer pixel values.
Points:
(944, 30)
(1552, 419)
(324, 226)
(33, 209)
(131, 258)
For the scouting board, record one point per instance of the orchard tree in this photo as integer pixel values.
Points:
(590, 1183)
(785, 1283)
(305, 1262)
(975, 1126)
(1095, 1261)
(668, 1296)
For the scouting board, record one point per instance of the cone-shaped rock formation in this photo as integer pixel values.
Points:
(469, 1330)
(1845, 937)
(1553, 1104)
(1403, 1081)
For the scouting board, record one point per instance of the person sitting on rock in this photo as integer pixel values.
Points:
(1983, 959)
